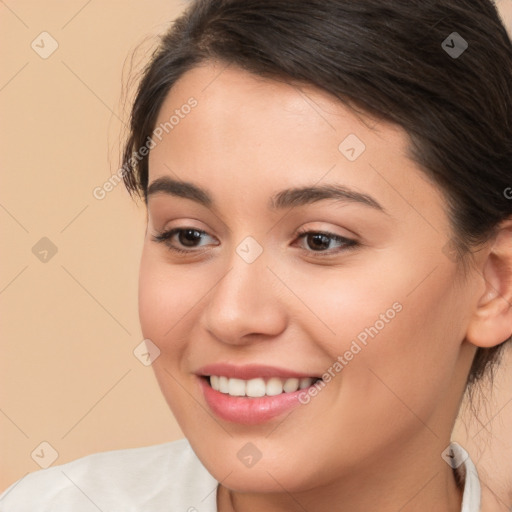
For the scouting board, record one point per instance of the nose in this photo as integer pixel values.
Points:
(245, 305)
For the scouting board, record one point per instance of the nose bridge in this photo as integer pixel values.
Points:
(245, 286)
(247, 265)
(244, 300)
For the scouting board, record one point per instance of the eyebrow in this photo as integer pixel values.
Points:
(288, 198)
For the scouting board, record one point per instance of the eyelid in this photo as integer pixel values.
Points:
(165, 235)
(349, 235)
(347, 243)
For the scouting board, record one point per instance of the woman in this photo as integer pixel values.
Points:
(327, 266)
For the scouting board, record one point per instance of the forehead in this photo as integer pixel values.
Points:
(262, 135)
(266, 123)
(228, 94)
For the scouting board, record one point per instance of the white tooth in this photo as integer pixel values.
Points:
(305, 382)
(236, 387)
(214, 382)
(274, 386)
(255, 388)
(291, 385)
(223, 385)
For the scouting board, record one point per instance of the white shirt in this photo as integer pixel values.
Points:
(162, 478)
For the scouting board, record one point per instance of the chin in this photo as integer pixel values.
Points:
(225, 464)
(262, 480)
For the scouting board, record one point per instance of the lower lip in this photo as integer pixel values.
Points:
(248, 410)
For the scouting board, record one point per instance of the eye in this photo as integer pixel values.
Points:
(320, 242)
(186, 237)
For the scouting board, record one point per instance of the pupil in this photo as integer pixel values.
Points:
(189, 236)
(322, 239)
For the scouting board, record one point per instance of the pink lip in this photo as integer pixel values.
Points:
(246, 410)
(247, 372)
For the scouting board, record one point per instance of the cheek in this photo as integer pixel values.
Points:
(396, 339)
(405, 369)
(166, 295)
(398, 381)
(348, 304)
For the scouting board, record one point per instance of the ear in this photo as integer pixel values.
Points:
(491, 322)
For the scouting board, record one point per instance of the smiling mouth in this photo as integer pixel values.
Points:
(258, 387)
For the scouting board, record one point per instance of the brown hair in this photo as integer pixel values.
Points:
(440, 69)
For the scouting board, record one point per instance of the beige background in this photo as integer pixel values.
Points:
(70, 324)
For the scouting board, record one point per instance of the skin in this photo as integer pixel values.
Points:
(485, 433)
(375, 434)
(505, 9)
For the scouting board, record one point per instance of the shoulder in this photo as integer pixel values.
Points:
(167, 476)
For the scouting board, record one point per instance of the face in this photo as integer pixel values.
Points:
(348, 283)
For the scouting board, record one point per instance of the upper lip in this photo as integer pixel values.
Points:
(250, 371)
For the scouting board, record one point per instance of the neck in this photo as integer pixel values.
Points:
(407, 479)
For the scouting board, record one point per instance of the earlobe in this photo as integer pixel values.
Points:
(491, 323)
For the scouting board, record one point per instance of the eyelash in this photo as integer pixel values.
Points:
(348, 244)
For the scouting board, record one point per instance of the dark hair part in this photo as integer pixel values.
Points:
(382, 57)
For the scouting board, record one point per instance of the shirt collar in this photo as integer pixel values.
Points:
(463, 465)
